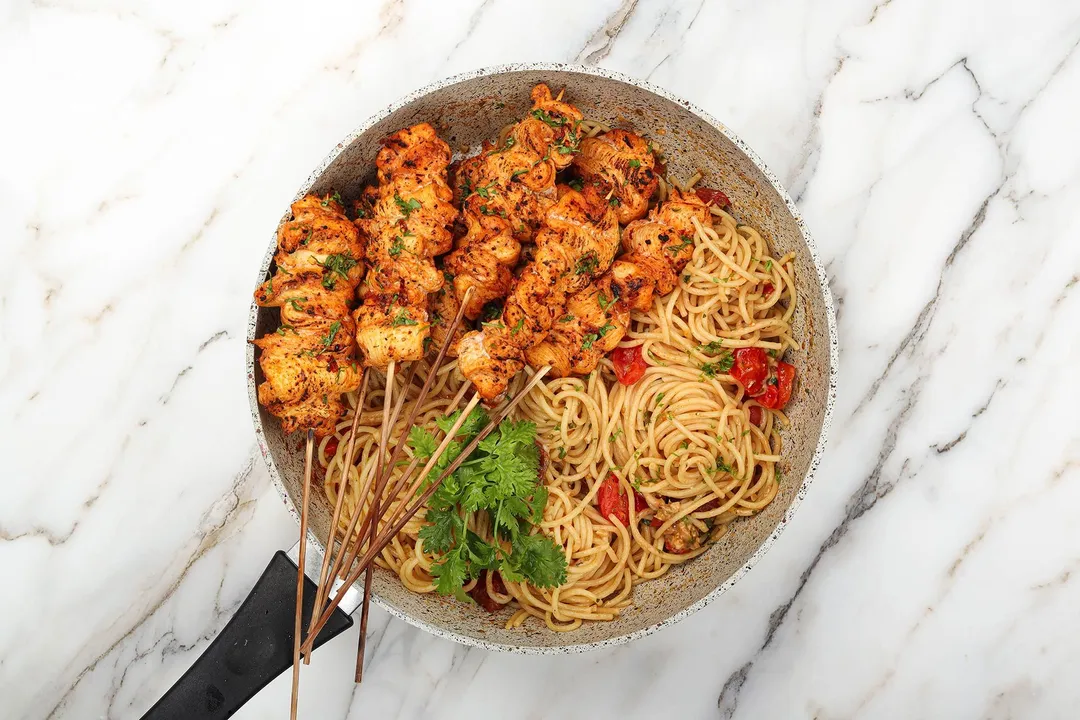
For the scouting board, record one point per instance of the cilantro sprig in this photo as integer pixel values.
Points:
(500, 478)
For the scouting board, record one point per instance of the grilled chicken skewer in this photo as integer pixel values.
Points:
(578, 241)
(656, 251)
(407, 220)
(624, 165)
(311, 359)
(505, 193)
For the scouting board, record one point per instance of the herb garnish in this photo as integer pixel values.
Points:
(517, 328)
(397, 246)
(576, 184)
(587, 263)
(566, 319)
(554, 122)
(500, 478)
(603, 330)
(613, 201)
(588, 340)
(295, 302)
(604, 302)
(340, 264)
(721, 366)
(635, 163)
(676, 249)
(402, 318)
(328, 339)
(406, 206)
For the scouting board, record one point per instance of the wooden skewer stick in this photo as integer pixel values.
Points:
(402, 518)
(346, 470)
(399, 483)
(298, 627)
(384, 475)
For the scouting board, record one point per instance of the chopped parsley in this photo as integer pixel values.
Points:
(712, 347)
(402, 318)
(721, 366)
(486, 191)
(603, 330)
(550, 120)
(604, 302)
(517, 328)
(635, 163)
(587, 263)
(281, 329)
(328, 339)
(614, 435)
(566, 318)
(500, 478)
(406, 206)
(336, 264)
(588, 340)
(576, 184)
(562, 453)
(771, 353)
(507, 144)
(722, 466)
(335, 197)
(676, 249)
(295, 302)
(659, 397)
(517, 173)
(768, 266)
(613, 201)
(397, 246)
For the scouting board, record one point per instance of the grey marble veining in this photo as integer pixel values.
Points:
(930, 573)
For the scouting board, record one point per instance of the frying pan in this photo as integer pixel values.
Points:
(467, 109)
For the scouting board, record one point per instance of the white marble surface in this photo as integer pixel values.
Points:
(147, 150)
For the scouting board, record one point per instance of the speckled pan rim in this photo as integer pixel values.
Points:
(830, 312)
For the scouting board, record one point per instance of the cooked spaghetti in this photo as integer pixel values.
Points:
(685, 445)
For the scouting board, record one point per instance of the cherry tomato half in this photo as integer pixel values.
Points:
(713, 197)
(331, 447)
(629, 364)
(755, 415)
(778, 386)
(750, 369)
(614, 505)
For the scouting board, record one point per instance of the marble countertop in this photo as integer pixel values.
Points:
(934, 569)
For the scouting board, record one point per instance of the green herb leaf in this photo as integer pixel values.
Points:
(588, 340)
(328, 339)
(406, 206)
(587, 263)
(397, 246)
(550, 120)
(402, 318)
(576, 184)
(517, 328)
(604, 302)
(635, 163)
(566, 318)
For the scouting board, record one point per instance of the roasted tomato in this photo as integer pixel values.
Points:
(778, 386)
(614, 504)
(479, 592)
(629, 364)
(713, 197)
(331, 447)
(755, 415)
(751, 368)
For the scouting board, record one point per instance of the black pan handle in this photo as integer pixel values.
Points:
(253, 649)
